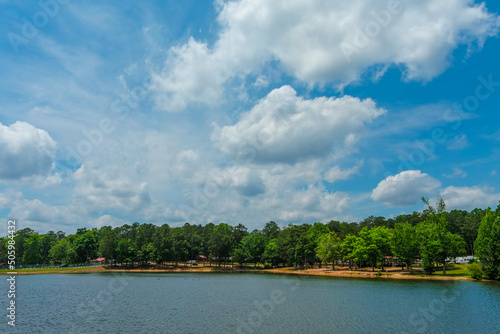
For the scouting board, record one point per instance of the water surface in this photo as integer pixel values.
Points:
(249, 303)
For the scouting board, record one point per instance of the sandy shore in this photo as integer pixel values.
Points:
(324, 272)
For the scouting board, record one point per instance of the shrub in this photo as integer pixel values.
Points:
(476, 271)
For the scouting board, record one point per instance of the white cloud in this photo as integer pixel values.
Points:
(108, 220)
(191, 75)
(285, 128)
(468, 198)
(404, 189)
(457, 172)
(336, 174)
(314, 203)
(39, 215)
(458, 143)
(322, 42)
(25, 151)
(110, 188)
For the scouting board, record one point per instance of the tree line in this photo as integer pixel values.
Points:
(431, 236)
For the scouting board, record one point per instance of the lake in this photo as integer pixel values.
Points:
(248, 303)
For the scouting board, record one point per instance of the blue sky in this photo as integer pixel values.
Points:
(245, 111)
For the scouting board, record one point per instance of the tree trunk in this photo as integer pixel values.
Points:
(444, 268)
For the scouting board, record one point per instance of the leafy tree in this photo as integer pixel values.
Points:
(238, 232)
(240, 255)
(314, 235)
(4, 250)
(372, 222)
(143, 242)
(162, 244)
(329, 248)
(271, 252)
(476, 271)
(59, 252)
(32, 249)
(405, 244)
(347, 249)
(293, 243)
(487, 244)
(437, 243)
(125, 251)
(271, 230)
(194, 240)
(86, 244)
(221, 242)
(108, 242)
(252, 247)
(20, 239)
(180, 251)
(334, 226)
(372, 245)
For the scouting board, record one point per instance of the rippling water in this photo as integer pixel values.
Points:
(248, 303)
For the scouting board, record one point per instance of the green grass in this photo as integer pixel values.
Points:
(452, 270)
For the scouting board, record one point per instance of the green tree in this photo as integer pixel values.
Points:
(328, 249)
(221, 242)
(108, 243)
(162, 244)
(372, 245)
(405, 243)
(487, 245)
(251, 248)
(21, 238)
(347, 249)
(314, 235)
(271, 231)
(437, 243)
(32, 249)
(271, 252)
(86, 244)
(4, 250)
(125, 251)
(294, 244)
(476, 271)
(59, 252)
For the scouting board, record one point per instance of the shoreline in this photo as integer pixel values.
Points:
(279, 271)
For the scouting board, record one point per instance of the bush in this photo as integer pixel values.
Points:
(476, 271)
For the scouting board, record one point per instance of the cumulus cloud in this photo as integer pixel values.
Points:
(312, 203)
(39, 215)
(322, 42)
(109, 189)
(468, 198)
(285, 128)
(404, 189)
(25, 151)
(336, 174)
